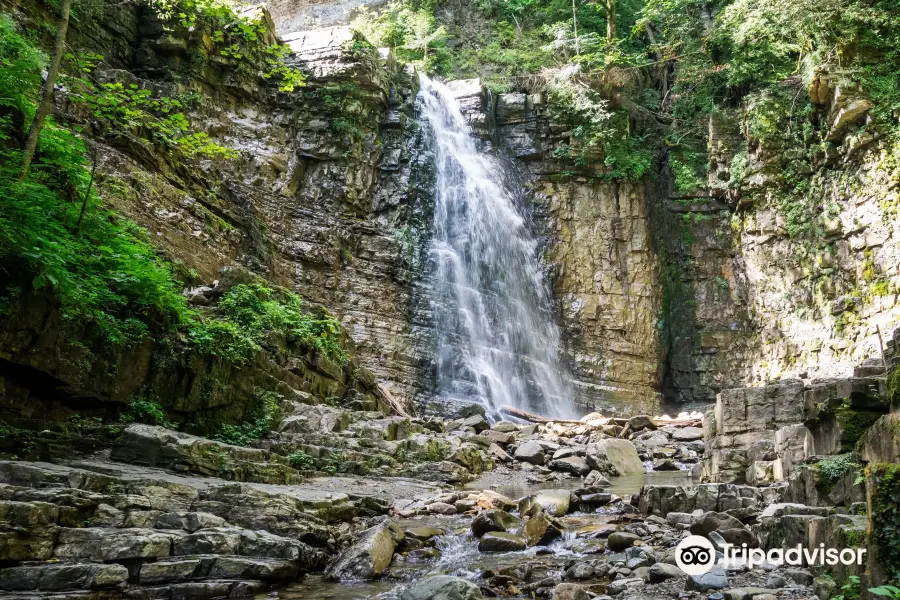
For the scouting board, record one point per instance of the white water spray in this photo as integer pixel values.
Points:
(497, 340)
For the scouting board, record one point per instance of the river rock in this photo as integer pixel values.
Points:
(620, 540)
(664, 464)
(494, 520)
(55, 577)
(713, 521)
(442, 587)
(570, 591)
(500, 541)
(571, 464)
(687, 434)
(531, 452)
(641, 422)
(715, 579)
(490, 499)
(660, 572)
(614, 457)
(369, 556)
(554, 502)
(596, 479)
(540, 530)
(620, 585)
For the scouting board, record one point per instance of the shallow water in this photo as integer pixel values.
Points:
(459, 550)
(516, 487)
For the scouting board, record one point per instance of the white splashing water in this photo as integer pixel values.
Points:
(497, 340)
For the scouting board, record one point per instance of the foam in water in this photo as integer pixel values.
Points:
(497, 340)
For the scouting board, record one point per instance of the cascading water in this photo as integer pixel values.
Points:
(497, 340)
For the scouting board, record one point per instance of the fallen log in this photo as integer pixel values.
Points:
(532, 417)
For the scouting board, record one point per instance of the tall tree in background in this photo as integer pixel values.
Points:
(46, 104)
(611, 21)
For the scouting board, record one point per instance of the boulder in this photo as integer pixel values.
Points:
(490, 499)
(369, 556)
(664, 464)
(714, 521)
(660, 572)
(571, 464)
(554, 502)
(55, 577)
(442, 587)
(596, 479)
(614, 457)
(570, 591)
(494, 520)
(620, 585)
(540, 530)
(531, 452)
(499, 541)
(620, 540)
(714, 579)
(687, 434)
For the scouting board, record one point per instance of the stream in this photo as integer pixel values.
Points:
(458, 549)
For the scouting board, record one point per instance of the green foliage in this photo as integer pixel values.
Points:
(301, 460)
(250, 318)
(850, 590)
(888, 591)
(410, 29)
(832, 469)
(265, 415)
(885, 512)
(239, 35)
(128, 109)
(347, 106)
(146, 410)
(21, 63)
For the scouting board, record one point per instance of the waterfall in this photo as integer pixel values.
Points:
(497, 341)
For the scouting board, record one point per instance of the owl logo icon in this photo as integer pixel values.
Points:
(695, 555)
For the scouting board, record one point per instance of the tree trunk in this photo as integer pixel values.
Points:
(46, 104)
(611, 22)
(87, 194)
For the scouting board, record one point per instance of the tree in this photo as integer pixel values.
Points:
(611, 22)
(46, 104)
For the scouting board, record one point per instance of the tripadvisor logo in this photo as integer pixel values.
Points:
(695, 555)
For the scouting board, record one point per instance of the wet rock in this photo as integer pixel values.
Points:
(641, 422)
(715, 579)
(423, 533)
(54, 577)
(714, 521)
(620, 585)
(490, 499)
(593, 500)
(614, 457)
(664, 464)
(531, 452)
(738, 536)
(687, 434)
(746, 593)
(494, 520)
(369, 556)
(441, 508)
(498, 541)
(442, 587)
(570, 591)
(571, 464)
(620, 540)
(639, 556)
(596, 479)
(554, 502)
(660, 572)
(506, 427)
(540, 530)
(476, 422)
